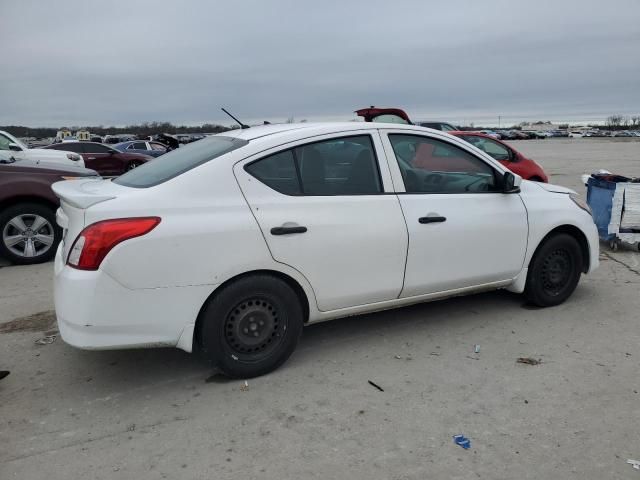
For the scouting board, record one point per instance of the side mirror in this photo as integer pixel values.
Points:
(510, 183)
(14, 147)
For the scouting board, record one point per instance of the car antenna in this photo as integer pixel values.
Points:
(242, 125)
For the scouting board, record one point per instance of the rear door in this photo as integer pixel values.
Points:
(463, 232)
(323, 210)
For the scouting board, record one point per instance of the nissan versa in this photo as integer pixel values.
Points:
(230, 245)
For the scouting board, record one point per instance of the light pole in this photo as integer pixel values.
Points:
(499, 125)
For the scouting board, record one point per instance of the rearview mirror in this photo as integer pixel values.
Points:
(14, 147)
(510, 184)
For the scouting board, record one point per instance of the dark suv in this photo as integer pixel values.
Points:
(28, 230)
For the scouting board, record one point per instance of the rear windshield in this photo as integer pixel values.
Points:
(178, 161)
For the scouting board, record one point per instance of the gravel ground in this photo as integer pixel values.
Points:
(152, 414)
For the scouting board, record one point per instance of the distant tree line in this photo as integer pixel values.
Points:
(621, 122)
(142, 130)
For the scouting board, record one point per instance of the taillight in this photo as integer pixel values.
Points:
(97, 240)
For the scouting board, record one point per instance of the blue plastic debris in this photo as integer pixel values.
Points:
(463, 441)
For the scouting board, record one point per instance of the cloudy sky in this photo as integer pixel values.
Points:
(117, 62)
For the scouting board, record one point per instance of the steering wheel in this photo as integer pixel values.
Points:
(435, 179)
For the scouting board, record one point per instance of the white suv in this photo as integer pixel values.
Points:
(231, 244)
(15, 148)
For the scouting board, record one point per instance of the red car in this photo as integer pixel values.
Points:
(505, 154)
(105, 160)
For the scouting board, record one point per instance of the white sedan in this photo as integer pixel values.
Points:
(230, 245)
(15, 148)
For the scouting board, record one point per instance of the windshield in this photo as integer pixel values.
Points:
(178, 161)
(11, 139)
(389, 118)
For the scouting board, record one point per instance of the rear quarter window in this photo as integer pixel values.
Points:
(179, 161)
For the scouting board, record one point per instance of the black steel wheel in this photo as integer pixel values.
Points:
(554, 270)
(251, 326)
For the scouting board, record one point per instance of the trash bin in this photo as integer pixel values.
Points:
(600, 191)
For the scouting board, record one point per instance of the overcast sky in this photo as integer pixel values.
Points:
(80, 62)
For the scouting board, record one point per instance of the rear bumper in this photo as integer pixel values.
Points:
(96, 312)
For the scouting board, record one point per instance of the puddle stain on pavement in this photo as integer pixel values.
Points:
(38, 322)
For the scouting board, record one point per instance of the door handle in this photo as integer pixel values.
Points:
(433, 219)
(288, 230)
(91, 158)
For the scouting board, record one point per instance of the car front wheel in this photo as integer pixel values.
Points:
(29, 233)
(251, 326)
(133, 165)
(554, 271)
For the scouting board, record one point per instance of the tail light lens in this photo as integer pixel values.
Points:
(97, 240)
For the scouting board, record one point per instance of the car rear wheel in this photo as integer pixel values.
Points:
(554, 271)
(29, 233)
(251, 326)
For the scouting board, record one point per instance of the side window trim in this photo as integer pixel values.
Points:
(293, 149)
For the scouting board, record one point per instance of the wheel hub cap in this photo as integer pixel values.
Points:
(253, 327)
(28, 235)
(556, 271)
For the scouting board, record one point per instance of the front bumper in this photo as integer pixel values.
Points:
(96, 312)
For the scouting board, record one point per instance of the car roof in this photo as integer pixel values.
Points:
(311, 129)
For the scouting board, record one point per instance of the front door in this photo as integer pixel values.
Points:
(463, 231)
(105, 160)
(322, 209)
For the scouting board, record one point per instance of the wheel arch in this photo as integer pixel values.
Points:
(576, 233)
(17, 200)
(293, 283)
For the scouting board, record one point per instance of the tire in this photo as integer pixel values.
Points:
(19, 243)
(132, 165)
(251, 326)
(554, 271)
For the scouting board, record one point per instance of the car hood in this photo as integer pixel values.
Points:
(555, 188)
(44, 153)
(37, 166)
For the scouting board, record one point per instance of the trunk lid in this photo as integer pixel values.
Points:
(76, 196)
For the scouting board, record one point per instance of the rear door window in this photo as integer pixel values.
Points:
(340, 166)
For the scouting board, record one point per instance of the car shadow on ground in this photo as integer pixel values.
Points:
(142, 368)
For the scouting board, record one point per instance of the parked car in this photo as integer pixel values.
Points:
(19, 151)
(507, 135)
(113, 139)
(491, 134)
(28, 230)
(104, 159)
(623, 133)
(231, 244)
(576, 134)
(442, 126)
(153, 149)
(397, 115)
(508, 156)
